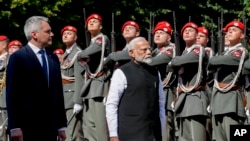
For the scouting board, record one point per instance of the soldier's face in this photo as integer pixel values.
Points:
(202, 39)
(3, 46)
(94, 25)
(161, 37)
(142, 52)
(234, 34)
(69, 37)
(189, 34)
(227, 42)
(44, 36)
(130, 32)
(13, 49)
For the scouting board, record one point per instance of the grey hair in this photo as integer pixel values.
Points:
(33, 24)
(132, 43)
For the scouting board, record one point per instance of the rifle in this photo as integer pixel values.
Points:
(189, 18)
(245, 30)
(113, 48)
(221, 36)
(150, 29)
(85, 29)
(212, 37)
(176, 37)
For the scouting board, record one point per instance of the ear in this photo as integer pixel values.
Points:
(131, 53)
(242, 36)
(100, 27)
(75, 38)
(137, 33)
(33, 34)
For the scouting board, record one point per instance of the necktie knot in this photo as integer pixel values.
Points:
(41, 52)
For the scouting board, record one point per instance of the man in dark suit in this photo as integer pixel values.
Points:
(35, 103)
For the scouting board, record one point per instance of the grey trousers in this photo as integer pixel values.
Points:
(221, 125)
(192, 128)
(74, 130)
(94, 120)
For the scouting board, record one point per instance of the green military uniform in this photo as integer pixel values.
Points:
(246, 72)
(160, 58)
(208, 89)
(227, 96)
(3, 112)
(95, 88)
(191, 105)
(74, 130)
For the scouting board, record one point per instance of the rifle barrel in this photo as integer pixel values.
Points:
(85, 29)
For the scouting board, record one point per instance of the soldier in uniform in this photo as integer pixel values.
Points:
(14, 46)
(202, 39)
(130, 30)
(3, 64)
(59, 53)
(92, 74)
(192, 101)
(227, 97)
(161, 56)
(74, 130)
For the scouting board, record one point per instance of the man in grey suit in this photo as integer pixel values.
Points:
(91, 73)
(192, 100)
(74, 130)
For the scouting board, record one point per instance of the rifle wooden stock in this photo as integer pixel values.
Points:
(176, 37)
(150, 29)
(113, 48)
(245, 36)
(85, 29)
(212, 38)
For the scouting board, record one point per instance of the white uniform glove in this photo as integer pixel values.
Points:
(172, 106)
(209, 109)
(247, 111)
(77, 108)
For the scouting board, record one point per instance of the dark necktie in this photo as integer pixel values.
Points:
(44, 63)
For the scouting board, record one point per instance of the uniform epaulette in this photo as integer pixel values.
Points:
(99, 40)
(237, 53)
(196, 49)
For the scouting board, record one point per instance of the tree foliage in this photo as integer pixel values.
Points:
(63, 12)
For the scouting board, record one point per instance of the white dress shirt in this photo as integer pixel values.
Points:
(117, 87)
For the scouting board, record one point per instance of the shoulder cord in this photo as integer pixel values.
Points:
(100, 67)
(71, 62)
(186, 89)
(165, 82)
(230, 85)
(68, 66)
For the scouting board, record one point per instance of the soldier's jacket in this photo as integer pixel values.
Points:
(67, 70)
(94, 87)
(160, 59)
(246, 72)
(121, 57)
(3, 65)
(210, 73)
(227, 65)
(196, 101)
